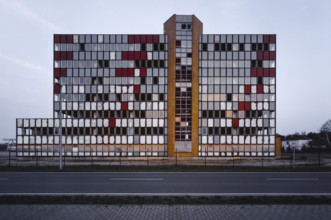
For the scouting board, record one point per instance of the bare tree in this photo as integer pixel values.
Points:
(326, 129)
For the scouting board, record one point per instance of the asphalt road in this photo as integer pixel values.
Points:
(164, 183)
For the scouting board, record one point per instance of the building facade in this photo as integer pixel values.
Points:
(182, 92)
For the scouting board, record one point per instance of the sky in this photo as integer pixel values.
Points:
(303, 29)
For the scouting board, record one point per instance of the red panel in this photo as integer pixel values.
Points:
(63, 55)
(266, 72)
(131, 39)
(143, 56)
(272, 55)
(124, 72)
(265, 38)
(57, 72)
(259, 55)
(56, 89)
(235, 122)
(155, 39)
(143, 72)
(137, 38)
(259, 72)
(137, 55)
(63, 38)
(136, 89)
(143, 39)
(125, 55)
(266, 55)
(247, 106)
(124, 106)
(272, 39)
(149, 38)
(69, 55)
(57, 55)
(241, 105)
(63, 72)
(253, 72)
(247, 89)
(118, 72)
(57, 38)
(112, 122)
(259, 89)
(130, 71)
(272, 72)
(69, 39)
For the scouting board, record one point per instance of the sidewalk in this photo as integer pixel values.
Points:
(144, 212)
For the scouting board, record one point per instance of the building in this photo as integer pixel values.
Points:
(182, 92)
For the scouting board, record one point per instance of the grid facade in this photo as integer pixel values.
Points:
(156, 95)
(237, 101)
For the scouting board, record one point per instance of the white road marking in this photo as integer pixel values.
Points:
(292, 179)
(137, 179)
(4, 179)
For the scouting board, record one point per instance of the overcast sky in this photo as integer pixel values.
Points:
(303, 29)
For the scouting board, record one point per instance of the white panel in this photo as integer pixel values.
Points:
(81, 123)
(235, 139)
(161, 122)
(142, 106)
(204, 139)
(142, 122)
(155, 139)
(130, 139)
(241, 89)
(87, 106)
(272, 139)
(93, 106)
(223, 106)
(229, 122)
(69, 140)
(210, 122)
(56, 140)
(130, 90)
(124, 140)
(100, 122)
(142, 139)
(81, 139)
(253, 89)
(259, 122)
(118, 122)
(118, 140)
(112, 89)
(136, 72)
(161, 140)
(106, 105)
(149, 122)
(93, 122)
(253, 105)
(229, 139)
(136, 122)
(155, 122)
(266, 140)
(253, 123)
(75, 123)
(38, 123)
(118, 106)
(124, 122)
(247, 140)
(118, 89)
(259, 140)
(210, 139)
(130, 106)
(253, 140)
(112, 106)
(259, 106)
(69, 122)
(222, 140)
(124, 89)
(222, 122)
(247, 122)
(155, 105)
(105, 122)
(87, 139)
(266, 105)
(75, 139)
(111, 139)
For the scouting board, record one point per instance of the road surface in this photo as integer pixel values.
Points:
(181, 183)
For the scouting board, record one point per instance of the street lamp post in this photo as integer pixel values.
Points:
(60, 125)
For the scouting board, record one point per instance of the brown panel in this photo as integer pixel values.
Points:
(196, 32)
(170, 30)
